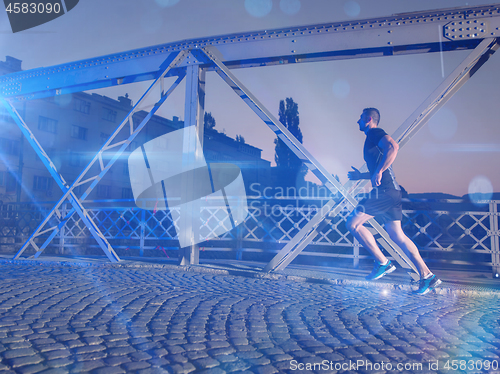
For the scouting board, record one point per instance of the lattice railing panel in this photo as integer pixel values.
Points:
(446, 230)
(440, 230)
(161, 224)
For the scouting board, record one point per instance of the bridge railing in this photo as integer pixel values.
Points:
(452, 233)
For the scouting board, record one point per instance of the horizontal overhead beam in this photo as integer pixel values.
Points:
(419, 32)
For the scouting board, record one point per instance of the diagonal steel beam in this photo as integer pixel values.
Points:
(402, 135)
(446, 90)
(173, 60)
(68, 193)
(300, 151)
(133, 134)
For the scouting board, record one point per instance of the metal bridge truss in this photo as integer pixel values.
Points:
(470, 233)
(474, 28)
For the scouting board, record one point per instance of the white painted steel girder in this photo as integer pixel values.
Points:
(419, 32)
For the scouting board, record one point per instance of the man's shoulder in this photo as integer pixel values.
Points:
(376, 130)
(375, 134)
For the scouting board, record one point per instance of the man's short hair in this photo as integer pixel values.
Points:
(373, 113)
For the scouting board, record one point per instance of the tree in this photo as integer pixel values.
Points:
(290, 169)
(208, 121)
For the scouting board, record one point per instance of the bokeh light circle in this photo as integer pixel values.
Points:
(166, 3)
(290, 7)
(480, 188)
(352, 8)
(341, 88)
(258, 8)
(443, 125)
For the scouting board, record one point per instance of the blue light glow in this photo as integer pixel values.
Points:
(352, 8)
(258, 8)
(480, 188)
(341, 88)
(166, 3)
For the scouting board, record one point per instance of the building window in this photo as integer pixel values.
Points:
(9, 146)
(127, 193)
(42, 183)
(81, 106)
(4, 115)
(75, 159)
(47, 124)
(103, 191)
(78, 132)
(11, 182)
(109, 115)
(51, 99)
(104, 137)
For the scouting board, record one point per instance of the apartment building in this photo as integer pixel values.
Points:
(72, 128)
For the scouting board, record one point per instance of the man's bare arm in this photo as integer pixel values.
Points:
(389, 149)
(355, 174)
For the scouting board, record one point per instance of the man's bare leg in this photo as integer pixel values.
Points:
(397, 234)
(364, 236)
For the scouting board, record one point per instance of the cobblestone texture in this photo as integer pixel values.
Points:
(120, 320)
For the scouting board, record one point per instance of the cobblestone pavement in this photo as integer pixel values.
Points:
(58, 319)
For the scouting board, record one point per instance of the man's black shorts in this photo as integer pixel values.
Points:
(385, 204)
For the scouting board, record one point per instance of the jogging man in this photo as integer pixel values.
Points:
(379, 152)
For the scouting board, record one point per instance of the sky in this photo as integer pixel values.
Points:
(456, 153)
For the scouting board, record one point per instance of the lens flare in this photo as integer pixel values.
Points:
(166, 3)
(352, 8)
(258, 8)
(480, 188)
(341, 88)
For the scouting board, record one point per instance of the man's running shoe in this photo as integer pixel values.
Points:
(425, 285)
(380, 270)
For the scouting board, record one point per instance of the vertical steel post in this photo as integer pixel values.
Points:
(239, 243)
(355, 254)
(62, 232)
(193, 116)
(495, 238)
(143, 232)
